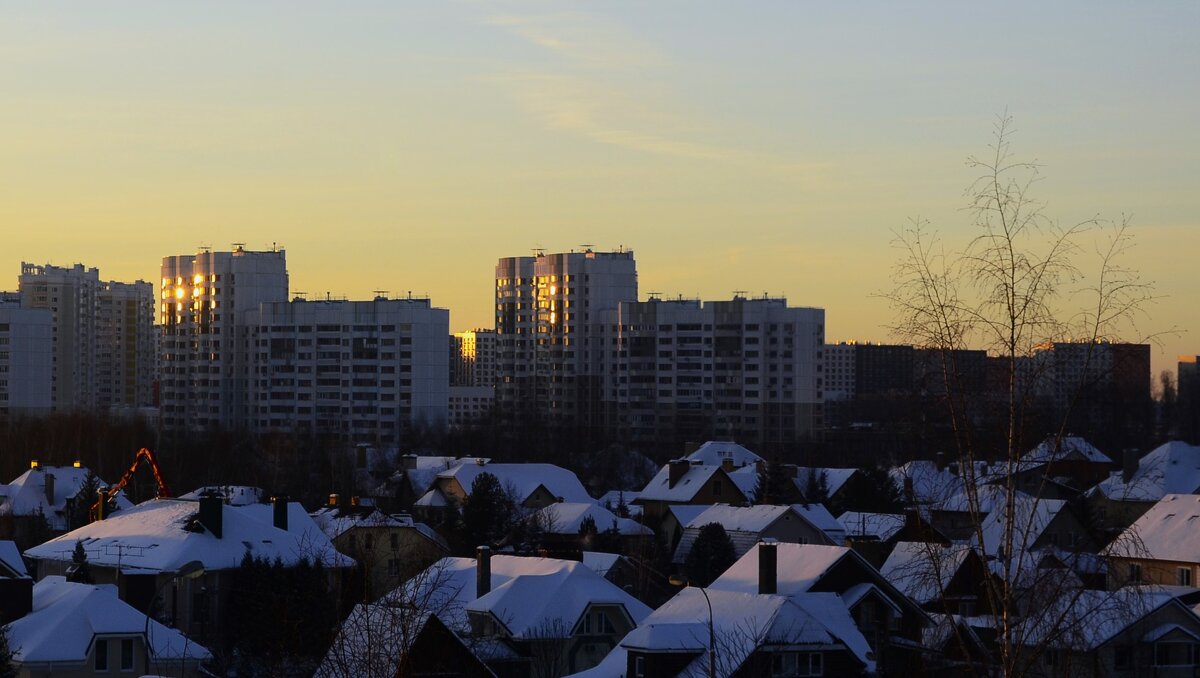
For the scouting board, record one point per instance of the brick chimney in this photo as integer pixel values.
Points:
(676, 470)
(333, 500)
(727, 465)
(279, 512)
(212, 514)
(768, 566)
(49, 478)
(409, 462)
(1129, 463)
(483, 571)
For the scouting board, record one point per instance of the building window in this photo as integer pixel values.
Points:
(789, 664)
(1176, 654)
(1184, 576)
(1135, 572)
(101, 653)
(639, 667)
(127, 654)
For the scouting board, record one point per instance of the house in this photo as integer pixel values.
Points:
(519, 615)
(746, 526)
(614, 499)
(1036, 523)
(1070, 460)
(1120, 499)
(532, 485)
(143, 548)
(561, 526)
(727, 455)
(44, 502)
(929, 483)
(1136, 631)
(85, 630)
(891, 623)
(416, 476)
(387, 548)
(874, 535)
(685, 482)
(941, 578)
(832, 480)
(1162, 547)
(234, 495)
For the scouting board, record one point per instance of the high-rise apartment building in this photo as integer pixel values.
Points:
(206, 306)
(102, 340)
(473, 358)
(549, 319)
(744, 369)
(26, 357)
(360, 371)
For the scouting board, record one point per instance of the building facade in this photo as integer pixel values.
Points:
(26, 357)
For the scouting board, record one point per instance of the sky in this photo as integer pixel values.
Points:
(770, 147)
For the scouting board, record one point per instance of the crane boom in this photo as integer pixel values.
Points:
(107, 495)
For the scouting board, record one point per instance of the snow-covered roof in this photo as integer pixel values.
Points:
(600, 562)
(922, 570)
(312, 535)
(745, 524)
(66, 617)
(1168, 531)
(987, 498)
(1083, 620)
(335, 521)
(716, 452)
(739, 518)
(426, 469)
(10, 559)
(881, 526)
(932, 485)
(800, 566)
(525, 479)
(1171, 468)
(528, 595)
(568, 517)
(744, 622)
(1030, 517)
(835, 478)
(1068, 448)
(161, 535)
(746, 479)
(612, 499)
(26, 495)
(234, 495)
(684, 490)
(823, 520)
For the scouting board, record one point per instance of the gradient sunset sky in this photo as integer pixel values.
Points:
(765, 147)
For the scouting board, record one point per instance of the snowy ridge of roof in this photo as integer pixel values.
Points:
(568, 517)
(799, 567)
(67, 616)
(881, 526)
(693, 480)
(823, 520)
(600, 562)
(524, 478)
(234, 495)
(1171, 468)
(10, 558)
(922, 571)
(156, 536)
(716, 452)
(740, 518)
(1064, 449)
(1166, 532)
(835, 478)
(1094, 617)
(26, 495)
(1030, 517)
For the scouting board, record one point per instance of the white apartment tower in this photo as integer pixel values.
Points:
(548, 320)
(102, 343)
(207, 307)
(360, 371)
(26, 357)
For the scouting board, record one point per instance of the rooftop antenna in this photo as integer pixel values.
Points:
(205, 248)
(539, 252)
(302, 295)
(587, 247)
(380, 293)
(410, 295)
(738, 293)
(654, 296)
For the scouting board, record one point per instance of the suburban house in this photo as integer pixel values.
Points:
(1159, 548)
(874, 535)
(519, 616)
(416, 476)
(686, 482)
(532, 485)
(388, 548)
(44, 502)
(891, 623)
(1120, 499)
(746, 526)
(562, 529)
(1058, 468)
(85, 630)
(832, 480)
(728, 455)
(941, 578)
(144, 550)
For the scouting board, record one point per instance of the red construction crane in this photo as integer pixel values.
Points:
(107, 495)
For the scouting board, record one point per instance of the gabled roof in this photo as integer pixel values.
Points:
(715, 452)
(684, 490)
(66, 617)
(835, 478)
(1172, 468)
(335, 521)
(568, 517)
(881, 526)
(1030, 517)
(26, 495)
(11, 564)
(161, 535)
(426, 469)
(1068, 448)
(525, 479)
(528, 595)
(921, 570)
(740, 518)
(1168, 531)
(745, 524)
(1084, 620)
(612, 499)
(744, 622)
(932, 485)
(800, 566)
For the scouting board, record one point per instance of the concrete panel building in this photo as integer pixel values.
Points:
(26, 357)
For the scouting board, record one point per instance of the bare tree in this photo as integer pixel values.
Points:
(1021, 281)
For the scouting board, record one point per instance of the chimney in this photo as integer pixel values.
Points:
(333, 500)
(211, 514)
(676, 469)
(483, 571)
(768, 567)
(354, 501)
(941, 461)
(409, 462)
(279, 511)
(909, 492)
(727, 465)
(1129, 463)
(49, 487)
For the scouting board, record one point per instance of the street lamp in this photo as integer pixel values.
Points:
(712, 635)
(190, 570)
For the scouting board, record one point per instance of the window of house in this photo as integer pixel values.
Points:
(788, 664)
(639, 667)
(1135, 572)
(101, 654)
(1184, 576)
(1174, 654)
(127, 654)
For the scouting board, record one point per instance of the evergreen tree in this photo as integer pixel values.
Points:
(587, 526)
(776, 485)
(712, 553)
(816, 487)
(870, 490)
(7, 670)
(80, 571)
(488, 512)
(82, 502)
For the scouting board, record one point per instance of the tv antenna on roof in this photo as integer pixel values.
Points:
(654, 296)
(738, 293)
(539, 251)
(380, 294)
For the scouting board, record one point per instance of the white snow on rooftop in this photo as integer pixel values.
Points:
(234, 495)
(835, 478)
(1068, 448)
(525, 479)
(1030, 517)
(922, 570)
(1171, 468)
(799, 567)
(568, 517)
(67, 617)
(1093, 617)
(26, 495)
(716, 452)
(881, 526)
(1168, 531)
(10, 558)
(692, 481)
(161, 535)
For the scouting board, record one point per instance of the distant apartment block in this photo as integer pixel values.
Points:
(743, 369)
(549, 320)
(1187, 417)
(102, 344)
(26, 357)
(473, 358)
(204, 307)
(362, 371)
